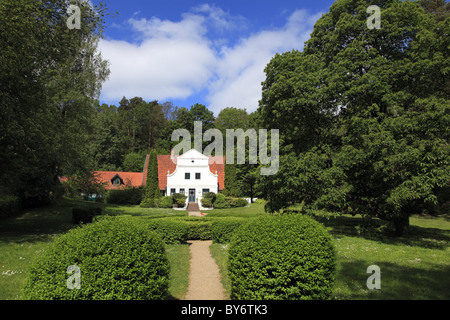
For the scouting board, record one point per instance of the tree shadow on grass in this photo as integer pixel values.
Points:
(397, 282)
(380, 230)
(42, 223)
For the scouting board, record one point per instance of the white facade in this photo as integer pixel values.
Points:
(192, 177)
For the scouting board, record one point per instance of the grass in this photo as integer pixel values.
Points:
(416, 266)
(220, 253)
(413, 267)
(179, 255)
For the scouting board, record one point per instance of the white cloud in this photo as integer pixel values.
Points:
(173, 60)
(176, 59)
(240, 70)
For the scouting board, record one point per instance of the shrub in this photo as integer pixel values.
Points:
(165, 202)
(288, 257)
(220, 201)
(127, 196)
(148, 203)
(206, 203)
(117, 259)
(235, 202)
(210, 195)
(179, 199)
(9, 206)
(222, 229)
(85, 214)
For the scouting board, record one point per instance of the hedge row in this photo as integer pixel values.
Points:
(127, 196)
(181, 229)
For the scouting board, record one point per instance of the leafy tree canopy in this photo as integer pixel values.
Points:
(364, 113)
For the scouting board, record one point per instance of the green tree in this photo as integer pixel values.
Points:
(199, 112)
(384, 96)
(232, 118)
(439, 8)
(107, 146)
(134, 161)
(293, 99)
(50, 79)
(152, 187)
(399, 166)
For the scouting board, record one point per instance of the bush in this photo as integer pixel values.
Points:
(222, 229)
(9, 206)
(179, 199)
(85, 214)
(220, 201)
(288, 257)
(149, 203)
(206, 203)
(117, 260)
(165, 202)
(127, 196)
(210, 195)
(235, 202)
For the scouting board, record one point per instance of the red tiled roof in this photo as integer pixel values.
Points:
(165, 166)
(130, 179)
(218, 164)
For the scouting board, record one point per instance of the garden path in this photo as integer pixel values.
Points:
(204, 277)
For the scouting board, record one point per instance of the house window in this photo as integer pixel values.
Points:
(116, 182)
(205, 191)
(182, 191)
(197, 176)
(172, 191)
(187, 176)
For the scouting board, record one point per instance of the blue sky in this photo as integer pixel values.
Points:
(189, 51)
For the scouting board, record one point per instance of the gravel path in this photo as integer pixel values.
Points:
(204, 277)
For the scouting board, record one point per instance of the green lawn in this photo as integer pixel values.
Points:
(416, 266)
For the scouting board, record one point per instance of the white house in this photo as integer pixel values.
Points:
(191, 174)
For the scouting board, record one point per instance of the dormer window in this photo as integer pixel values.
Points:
(117, 180)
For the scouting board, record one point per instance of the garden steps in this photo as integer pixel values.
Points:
(193, 206)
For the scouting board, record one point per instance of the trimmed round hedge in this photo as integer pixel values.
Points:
(117, 261)
(288, 257)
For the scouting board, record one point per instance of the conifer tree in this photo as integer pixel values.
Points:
(152, 187)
